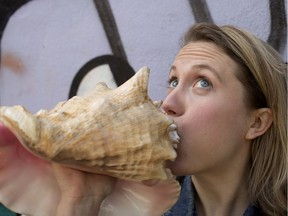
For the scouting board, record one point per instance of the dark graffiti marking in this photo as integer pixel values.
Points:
(117, 62)
(7, 8)
(110, 27)
(120, 69)
(200, 11)
(278, 30)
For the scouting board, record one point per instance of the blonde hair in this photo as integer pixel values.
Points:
(264, 76)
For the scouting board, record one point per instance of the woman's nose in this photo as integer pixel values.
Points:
(172, 104)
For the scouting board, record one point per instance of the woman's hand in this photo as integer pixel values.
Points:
(81, 193)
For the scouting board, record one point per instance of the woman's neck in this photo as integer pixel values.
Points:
(221, 195)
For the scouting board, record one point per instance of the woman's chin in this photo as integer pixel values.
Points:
(178, 168)
(174, 167)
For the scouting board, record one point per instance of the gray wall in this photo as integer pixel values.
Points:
(47, 44)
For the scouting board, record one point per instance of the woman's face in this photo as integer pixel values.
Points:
(206, 101)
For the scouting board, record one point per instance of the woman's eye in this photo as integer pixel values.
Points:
(173, 83)
(203, 83)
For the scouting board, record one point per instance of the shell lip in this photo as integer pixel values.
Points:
(173, 135)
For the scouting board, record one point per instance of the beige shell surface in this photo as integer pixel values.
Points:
(118, 132)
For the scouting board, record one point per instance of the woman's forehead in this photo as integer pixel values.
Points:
(203, 51)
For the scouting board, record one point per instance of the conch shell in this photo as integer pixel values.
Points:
(118, 132)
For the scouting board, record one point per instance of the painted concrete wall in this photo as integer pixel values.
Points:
(46, 43)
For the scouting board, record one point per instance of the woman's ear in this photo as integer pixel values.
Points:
(262, 120)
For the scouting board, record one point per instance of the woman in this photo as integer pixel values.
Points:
(227, 95)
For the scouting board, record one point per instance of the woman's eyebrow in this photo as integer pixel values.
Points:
(208, 67)
(173, 68)
(200, 67)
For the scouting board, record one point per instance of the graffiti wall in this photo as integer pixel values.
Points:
(54, 49)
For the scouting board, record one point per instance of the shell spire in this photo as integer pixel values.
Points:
(137, 85)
